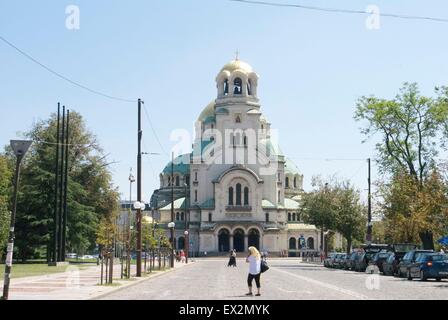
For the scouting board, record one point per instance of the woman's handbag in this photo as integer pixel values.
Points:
(264, 266)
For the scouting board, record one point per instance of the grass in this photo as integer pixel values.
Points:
(30, 270)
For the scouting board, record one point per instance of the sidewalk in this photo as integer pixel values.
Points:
(75, 284)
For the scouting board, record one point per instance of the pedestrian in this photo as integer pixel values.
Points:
(254, 260)
(232, 260)
(182, 256)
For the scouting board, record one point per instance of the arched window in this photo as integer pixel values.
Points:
(187, 180)
(295, 182)
(246, 196)
(196, 195)
(294, 216)
(238, 86)
(210, 217)
(182, 216)
(292, 244)
(287, 182)
(226, 87)
(231, 196)
(177, 181)
(267, 217)
(169, 180)
(245, 140)
(177, 216)
(238, 120)
(310, 243)
(195, 176)
(278, 195)
(289, 216)
(238, 194)
(249, 87)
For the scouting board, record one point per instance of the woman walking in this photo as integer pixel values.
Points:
(232, 259)
(254, 260)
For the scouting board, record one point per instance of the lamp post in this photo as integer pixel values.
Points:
(186, 245)
(20, 148)
(171, 226)
(140, 207)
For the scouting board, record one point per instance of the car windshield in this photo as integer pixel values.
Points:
(384, 255)
(419, 257)
(404, 247)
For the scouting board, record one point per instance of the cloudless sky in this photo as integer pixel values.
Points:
(313, 66)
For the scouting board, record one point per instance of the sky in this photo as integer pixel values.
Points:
(313, 66)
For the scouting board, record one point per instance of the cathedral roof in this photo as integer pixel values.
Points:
(208, 113)
(181, 165)
(237, 65)
(291, 168)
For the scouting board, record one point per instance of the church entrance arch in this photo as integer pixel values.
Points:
(238, 240)
(224, 240)
(254, 238)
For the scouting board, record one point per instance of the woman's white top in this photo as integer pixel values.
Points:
(254, 265)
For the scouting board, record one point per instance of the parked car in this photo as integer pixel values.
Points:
(429, 265)
(329, 260)
(390, 266)
(346, 262)
(71, 255)
(362, 261)
(408, 259)
(339, 260)
(352, 262)
(378, 259)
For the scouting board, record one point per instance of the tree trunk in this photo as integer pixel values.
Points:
(349, 245)
(427, 240)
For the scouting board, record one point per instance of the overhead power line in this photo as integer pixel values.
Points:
(336, 10)
(154, 131)
(77, 84)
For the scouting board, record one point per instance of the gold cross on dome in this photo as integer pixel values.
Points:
(237, 53)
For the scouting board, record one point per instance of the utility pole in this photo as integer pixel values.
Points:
(64, 226)
(56, 187)
(172, 209)
(139, 191)
(61, 191)
(369, 212)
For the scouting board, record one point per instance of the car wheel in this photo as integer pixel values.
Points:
(422, 276)
(409, 275)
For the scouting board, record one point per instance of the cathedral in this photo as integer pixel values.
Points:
(236, 188)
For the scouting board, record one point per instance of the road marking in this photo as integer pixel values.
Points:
(291, 291)
(325, 285)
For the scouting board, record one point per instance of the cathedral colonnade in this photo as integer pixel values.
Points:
(238, 238)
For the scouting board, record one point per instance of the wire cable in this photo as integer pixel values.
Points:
(29, 57)
(336, 10)
(153, 131)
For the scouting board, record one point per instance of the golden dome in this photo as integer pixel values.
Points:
(209, 111)
(237, 65)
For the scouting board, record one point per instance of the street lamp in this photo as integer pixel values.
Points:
(186, 243)
(172, 225)
(20, 147)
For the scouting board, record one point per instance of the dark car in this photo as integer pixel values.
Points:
(363, 260)
(346, 262)
(352, 261)
(378, 259)
(339, 260)
(429, 265)
(390, 266)
(408, 259)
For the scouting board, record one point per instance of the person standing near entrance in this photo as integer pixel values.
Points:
(254, 260)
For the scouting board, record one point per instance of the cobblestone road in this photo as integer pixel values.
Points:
(211, 279)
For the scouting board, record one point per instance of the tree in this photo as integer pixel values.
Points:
(5, 216)
(89, 196)
(350, 216)
(413, 130)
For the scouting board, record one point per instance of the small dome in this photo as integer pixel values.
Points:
(291, 168)
(181, 165)
(209, 111)
(237, 65)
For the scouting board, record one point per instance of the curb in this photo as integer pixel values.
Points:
(134, 283)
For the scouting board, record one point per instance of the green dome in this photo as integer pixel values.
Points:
(291, 168)
(271, 148)
(181, 165)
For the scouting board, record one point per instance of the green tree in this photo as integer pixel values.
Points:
(5, 189)
(89, 196)
(349, 214)
(413, 130)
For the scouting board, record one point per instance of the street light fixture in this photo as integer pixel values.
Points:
(19, 147)
(187, 241)
(171, 226)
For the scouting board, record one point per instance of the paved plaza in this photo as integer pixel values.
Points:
(288, 279)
